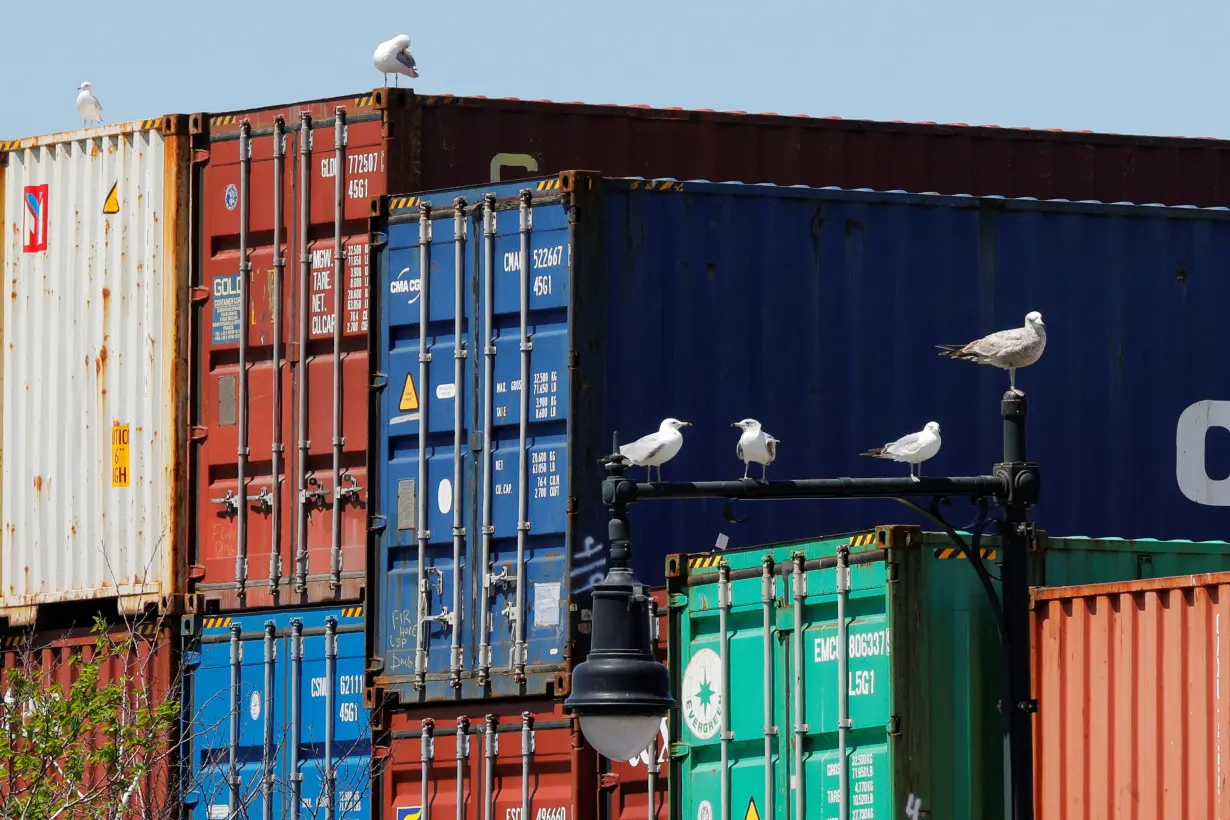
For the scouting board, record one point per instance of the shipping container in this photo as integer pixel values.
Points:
(1129, 681)
(94, 366)
(508, 760)
(616, 302)
(295, 187)
(920, 690)
(274, 714)
(142, 656)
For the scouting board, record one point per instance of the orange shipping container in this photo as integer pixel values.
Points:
(1133, 688)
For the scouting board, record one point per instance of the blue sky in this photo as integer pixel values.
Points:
(1126, 66)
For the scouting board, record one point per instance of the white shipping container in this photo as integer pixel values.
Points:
(95, 337)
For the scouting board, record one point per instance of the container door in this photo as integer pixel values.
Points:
(522, 615)
(332, 732)
(821, 701)
(426, 482)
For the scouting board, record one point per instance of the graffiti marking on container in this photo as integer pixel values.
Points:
(702, 694)
(120, 455)
(111, 205)
(35, 219)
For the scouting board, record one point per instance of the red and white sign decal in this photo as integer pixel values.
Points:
(34, 233)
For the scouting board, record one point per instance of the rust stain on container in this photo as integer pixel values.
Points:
(38, 484)
(1133, 688)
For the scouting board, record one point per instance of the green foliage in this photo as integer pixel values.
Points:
(82, 750)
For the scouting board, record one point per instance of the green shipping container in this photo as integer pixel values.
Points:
(923, 673)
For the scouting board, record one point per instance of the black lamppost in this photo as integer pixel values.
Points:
(621, 694)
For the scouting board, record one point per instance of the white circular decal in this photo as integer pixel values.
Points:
(254, 706)
(702, 694)
(704, 811)
(444, 496)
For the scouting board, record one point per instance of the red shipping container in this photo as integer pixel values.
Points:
(1129, 680)
(567, 779)
(147, 657)
(280, 407)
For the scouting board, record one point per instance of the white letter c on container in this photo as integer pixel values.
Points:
(1190, 469)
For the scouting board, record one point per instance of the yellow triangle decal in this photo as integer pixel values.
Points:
(112, 203)
(751, 813)
(409, 398)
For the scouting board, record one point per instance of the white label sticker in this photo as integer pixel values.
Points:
(444, 496)
(446, 391)
(219, 811)
(254, 706)
(546, 604)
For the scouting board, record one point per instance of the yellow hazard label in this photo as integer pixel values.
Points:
(112, 203)
(409, 398)
(120, 459)
(751, 813)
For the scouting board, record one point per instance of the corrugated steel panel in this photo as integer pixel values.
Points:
(279, 695)
(630, 319)
(400, 141)
(93, 378)
(515, 754)
(1131, 687)
(145, 654)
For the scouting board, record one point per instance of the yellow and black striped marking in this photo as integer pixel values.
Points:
(223, 119)
(549, 184)
(702, 561)
(9, 145)
(985, 553)
(865, 539)
(398, 203)
(658, 185)
(146, 125)
(363, 102)
(216, 621)
(10, 641)
(352, 611)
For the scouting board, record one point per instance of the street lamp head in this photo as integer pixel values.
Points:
(620, 693)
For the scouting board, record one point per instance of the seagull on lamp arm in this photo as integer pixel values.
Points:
(1007, 349)
(656, 449)
(913, 449)
(755, 445)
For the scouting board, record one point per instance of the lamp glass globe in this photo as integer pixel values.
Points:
(620, 737)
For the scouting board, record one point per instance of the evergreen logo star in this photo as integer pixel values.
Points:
(705, 693)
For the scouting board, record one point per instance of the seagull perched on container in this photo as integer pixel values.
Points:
(88, 105)
(1007, 349)
(394, 57)
(912, 449)
(755, 445)
(656, 449)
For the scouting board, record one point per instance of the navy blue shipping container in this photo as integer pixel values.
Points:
(273, 703)
(816, 311)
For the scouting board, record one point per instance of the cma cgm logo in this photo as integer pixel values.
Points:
(401, 286)
(34, 222)
(1191, 443)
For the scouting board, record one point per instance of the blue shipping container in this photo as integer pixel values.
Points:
(816, 311)
(277, 698)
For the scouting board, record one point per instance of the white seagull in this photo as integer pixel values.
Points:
(88, 105)
(912, 449)
(394, 57)
(755, 445)
(1007, 349)
(656, 449)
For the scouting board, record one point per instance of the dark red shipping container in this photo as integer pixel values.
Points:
(147, 656)
(285, 402)
(567, 779)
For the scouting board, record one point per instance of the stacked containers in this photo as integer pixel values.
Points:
(558, 311)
